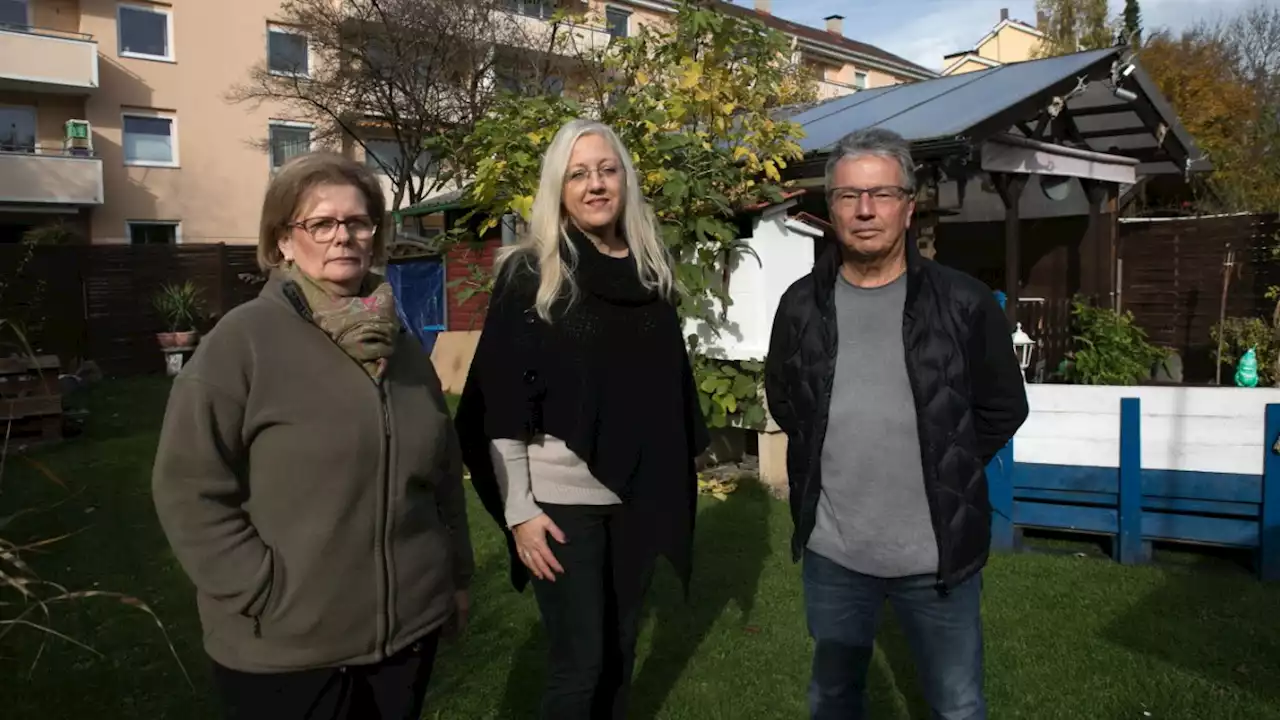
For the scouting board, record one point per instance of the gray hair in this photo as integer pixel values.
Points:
(874, 141)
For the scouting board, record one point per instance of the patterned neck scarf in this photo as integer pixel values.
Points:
(364, 325)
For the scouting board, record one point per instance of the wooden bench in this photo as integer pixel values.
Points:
(1136, 506)
(30, 401)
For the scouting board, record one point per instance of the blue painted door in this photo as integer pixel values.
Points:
(419, 291)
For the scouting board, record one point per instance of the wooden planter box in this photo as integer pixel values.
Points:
(1143, 464)
(30, 401)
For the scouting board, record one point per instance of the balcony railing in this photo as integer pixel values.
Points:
(828, 90)
(41, 59)
(49, 175)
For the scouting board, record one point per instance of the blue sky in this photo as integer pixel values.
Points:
(924, 30)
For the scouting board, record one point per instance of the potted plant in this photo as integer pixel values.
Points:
(180, 305)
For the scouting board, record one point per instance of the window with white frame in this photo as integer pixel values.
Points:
(542, 9)
(146, 31)
(860, 80)
(15, 14)
(287, 141)
(618, 21)
(287, 51)
(154, 232)
(150, 139)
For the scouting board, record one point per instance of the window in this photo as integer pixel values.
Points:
(288, 141)
(15, 14)
(382, 155)
(618, 21)
(287, 52)
(17, 129)
(542, 9)
(150, 139)
(154, 232)
(860, 80)
(146, 31)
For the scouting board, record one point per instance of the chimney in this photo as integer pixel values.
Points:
(1004, 14)
(763, 6)
(835, 24)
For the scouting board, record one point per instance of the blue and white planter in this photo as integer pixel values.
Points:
(1139, 464)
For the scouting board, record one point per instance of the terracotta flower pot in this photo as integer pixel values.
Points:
(175, 340)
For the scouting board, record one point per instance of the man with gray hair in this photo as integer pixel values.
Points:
(896, 382)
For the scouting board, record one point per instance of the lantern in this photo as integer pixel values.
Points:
(1022, 346)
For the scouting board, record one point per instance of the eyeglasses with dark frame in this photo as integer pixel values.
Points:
(324, 230)
(880, 195)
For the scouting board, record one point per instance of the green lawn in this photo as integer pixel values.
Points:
(1067, 636)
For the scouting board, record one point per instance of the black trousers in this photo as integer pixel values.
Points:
(591, 629)
(390, 690)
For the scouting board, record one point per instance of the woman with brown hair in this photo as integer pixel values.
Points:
(308, 475)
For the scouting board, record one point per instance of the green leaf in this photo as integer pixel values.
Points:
(710, 385)
(754, 416)
(744, 387)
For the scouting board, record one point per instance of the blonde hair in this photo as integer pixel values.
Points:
(541, 243)
(295, 181)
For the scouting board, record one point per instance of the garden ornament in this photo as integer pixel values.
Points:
(1247, 371)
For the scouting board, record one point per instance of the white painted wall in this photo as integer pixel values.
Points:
(785, 251)
(1183, 428)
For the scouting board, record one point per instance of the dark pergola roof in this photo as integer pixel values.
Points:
(954, 115)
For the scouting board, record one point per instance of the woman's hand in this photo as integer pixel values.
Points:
(535, 553)
(457, 625)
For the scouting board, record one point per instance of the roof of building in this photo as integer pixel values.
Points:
(957, 110)
(1007, 22)
(823, 36)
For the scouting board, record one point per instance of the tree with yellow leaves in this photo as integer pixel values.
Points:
(692, 99)
(1225, 110)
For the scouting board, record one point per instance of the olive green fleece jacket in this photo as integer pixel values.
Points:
(321, 517)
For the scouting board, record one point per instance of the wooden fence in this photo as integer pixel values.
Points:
(94, 302)
(1171, 273)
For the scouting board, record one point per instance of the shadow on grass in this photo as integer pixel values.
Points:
(730, 547)
(731, 543)
(1211, 620)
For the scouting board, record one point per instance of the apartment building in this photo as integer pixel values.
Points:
(1009, 41)
(114, 119)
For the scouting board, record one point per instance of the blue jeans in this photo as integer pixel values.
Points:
(945, 634)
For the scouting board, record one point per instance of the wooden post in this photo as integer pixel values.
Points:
(1269, 517)
(1000, 477)
(1097, 242)
(1128, 548)
(1010, 187)
(1227, 264)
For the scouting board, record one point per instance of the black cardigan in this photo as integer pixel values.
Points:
(610, 376)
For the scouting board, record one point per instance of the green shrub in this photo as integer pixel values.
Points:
(1239, 334)
(1109, 348)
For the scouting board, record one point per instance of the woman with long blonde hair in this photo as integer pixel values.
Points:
(580, 420)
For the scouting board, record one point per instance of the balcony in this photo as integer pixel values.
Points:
(50, 61)
(50, 176)
(532, 31)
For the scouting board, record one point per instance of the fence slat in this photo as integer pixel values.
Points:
(94, 302)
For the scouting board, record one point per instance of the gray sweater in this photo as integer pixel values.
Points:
(543, 471)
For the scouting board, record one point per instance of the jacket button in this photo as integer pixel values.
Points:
(529, 316)
(530, 376)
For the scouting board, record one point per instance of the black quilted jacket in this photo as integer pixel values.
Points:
(968, 389)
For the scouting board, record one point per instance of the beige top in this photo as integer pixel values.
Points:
(545, 471)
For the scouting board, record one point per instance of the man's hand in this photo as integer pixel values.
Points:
(535, 552)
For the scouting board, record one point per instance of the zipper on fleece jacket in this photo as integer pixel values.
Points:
(380, 543)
